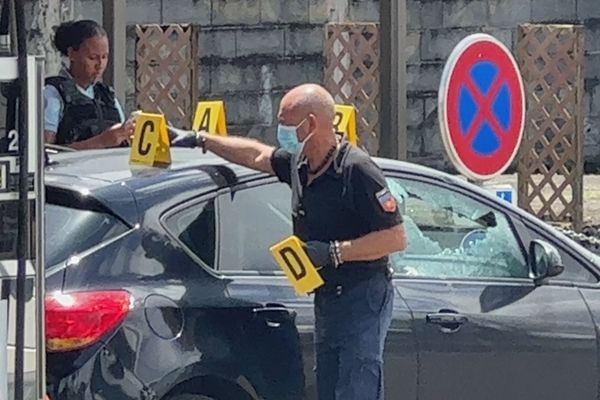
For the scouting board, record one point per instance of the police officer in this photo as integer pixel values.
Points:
(80, 111)
(346, 215)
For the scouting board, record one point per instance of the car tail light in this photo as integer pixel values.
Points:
(76, 320)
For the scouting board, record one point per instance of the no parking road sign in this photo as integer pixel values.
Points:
(481, 107)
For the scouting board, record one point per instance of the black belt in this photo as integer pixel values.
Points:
(338, 284)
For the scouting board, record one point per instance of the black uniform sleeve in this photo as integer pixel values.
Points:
(281, 161)
(372, 198)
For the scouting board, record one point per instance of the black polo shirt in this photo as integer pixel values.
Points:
(348, 201)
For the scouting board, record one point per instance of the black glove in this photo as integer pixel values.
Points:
(182, 138)
(319, 254)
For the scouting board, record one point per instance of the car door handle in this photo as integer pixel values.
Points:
(446, 319)
(274, 314)
(449, 322)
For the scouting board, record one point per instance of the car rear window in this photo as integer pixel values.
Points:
(70, 231)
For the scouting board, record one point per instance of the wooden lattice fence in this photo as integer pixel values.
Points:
(352, 53)
(550, 168)
(166, 68)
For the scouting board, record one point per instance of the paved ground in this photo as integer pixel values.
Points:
(591, 195)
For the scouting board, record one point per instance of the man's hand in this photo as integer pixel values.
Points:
(319, 253)
(182, 137)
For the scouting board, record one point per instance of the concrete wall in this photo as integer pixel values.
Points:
(436, 26)
(252, 51)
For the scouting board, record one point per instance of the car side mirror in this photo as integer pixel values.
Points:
(545, 261)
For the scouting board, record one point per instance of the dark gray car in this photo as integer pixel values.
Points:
(483, 309)
(490, 302)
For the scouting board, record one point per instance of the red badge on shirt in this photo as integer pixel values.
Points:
(386, 200)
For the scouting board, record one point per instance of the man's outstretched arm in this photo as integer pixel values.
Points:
(239, 150)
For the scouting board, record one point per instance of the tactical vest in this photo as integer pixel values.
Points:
(83, 117)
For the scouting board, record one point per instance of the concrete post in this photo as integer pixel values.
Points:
(393, 140)
(114, 16)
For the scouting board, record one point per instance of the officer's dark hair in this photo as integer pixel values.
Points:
(74, 33)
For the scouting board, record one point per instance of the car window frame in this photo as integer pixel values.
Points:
(511, 217)
(517, 222)
(391, 173)
(262, 181)
(184, 205)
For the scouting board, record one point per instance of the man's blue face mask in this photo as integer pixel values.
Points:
(287, 137)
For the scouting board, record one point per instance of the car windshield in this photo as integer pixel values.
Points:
(70, 231)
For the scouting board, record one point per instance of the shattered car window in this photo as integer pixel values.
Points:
(452, 236)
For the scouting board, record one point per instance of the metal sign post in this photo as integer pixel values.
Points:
(22, 338)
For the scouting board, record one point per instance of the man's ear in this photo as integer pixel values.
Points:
(311, 122)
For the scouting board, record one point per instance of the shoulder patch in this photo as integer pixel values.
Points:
(386, 200)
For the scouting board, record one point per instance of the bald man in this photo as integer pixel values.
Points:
(346, 215)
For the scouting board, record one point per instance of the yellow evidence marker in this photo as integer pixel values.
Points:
(210, 117)
(151, 145)
(345, 122)
(293, 260)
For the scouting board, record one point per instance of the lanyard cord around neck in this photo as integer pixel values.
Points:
(325, 161)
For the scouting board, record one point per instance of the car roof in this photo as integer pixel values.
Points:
(96, 168)
(108, 176)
